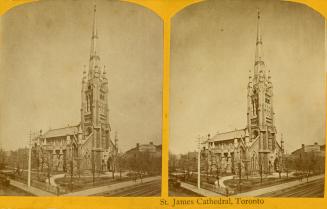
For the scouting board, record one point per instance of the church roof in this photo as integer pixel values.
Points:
(229, 135)
(69, 130)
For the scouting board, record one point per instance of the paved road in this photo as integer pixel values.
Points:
(310, 189)
(181, 192)
(278, 187)
(148, 189)
(12, 191)
(32, 190)
(271, 190)
(113, 187)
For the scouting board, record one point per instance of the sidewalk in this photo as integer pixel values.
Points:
(278, 187)
(224, 178)
(202, 192)
(54, 177)
(111, 187)
(32, 190)
(274, 175)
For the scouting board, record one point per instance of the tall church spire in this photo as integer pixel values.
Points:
(258, 41)
(94, 33)
(95, 109)
(259, 63)
(94, 58)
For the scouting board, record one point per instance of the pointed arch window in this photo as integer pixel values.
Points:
(87, 103)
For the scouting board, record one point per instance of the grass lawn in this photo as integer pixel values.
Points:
(41, 177)
(194, 178)
(255, 183)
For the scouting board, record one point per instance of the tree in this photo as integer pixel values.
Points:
(320, 164)
(205, 163)
(36, 159)
(216, 165)
(2, 159)
(49, 166)
(172, 162)
(144, 162)
(120, 163)
(298, 163)
(287, 163)
(155, 167)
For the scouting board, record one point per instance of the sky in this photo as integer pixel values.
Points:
(212, 51)
(44, 47)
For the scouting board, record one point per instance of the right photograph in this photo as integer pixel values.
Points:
(247, 100)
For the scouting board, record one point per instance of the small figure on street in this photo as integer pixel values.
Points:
(58, 190)
(216, 185)
(141, 177)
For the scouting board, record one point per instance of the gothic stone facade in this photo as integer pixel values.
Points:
(88, 144)
(253, 149)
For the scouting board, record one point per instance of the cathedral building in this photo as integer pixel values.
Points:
(253, 149)
(87, 145)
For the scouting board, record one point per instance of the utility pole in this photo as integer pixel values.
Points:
(93, 167)
(72, 167)
(199, 172)
(29, 161)
(260, 170)
(282, 163)
(240, 175)
(240, 170)
(114, 156)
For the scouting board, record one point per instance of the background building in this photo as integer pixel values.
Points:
(307, 159)
(144, 158)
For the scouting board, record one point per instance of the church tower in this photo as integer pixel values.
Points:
(94, 107)
(260, 112)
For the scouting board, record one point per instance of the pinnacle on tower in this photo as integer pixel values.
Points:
(269, 77)
(282, 142)
(116, 140)
(250, 78)
(104, 70)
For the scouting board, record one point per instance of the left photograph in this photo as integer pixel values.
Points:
(81, 99)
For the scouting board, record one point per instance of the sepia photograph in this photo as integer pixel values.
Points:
(247, 100)
(81, 99)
